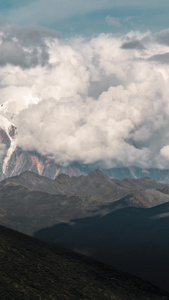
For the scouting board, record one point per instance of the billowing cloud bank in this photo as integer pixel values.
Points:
(100, 100)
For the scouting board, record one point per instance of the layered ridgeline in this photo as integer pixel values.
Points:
(29, 202)
(14, 160)
(31, 269)
(122, 223)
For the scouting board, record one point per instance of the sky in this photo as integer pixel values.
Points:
(87, 81)
(88, 17)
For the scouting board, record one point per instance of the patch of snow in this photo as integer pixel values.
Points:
(10, 151)
(5, 124)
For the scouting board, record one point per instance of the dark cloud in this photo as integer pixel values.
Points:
(135, 44)
(160, 58)
(162, 37)
(96, 87)
(13, 53)
(25, 47)
(29, 36)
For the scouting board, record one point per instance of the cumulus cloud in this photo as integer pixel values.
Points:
(92, 100)
(165, 151)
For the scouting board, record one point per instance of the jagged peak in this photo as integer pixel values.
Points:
(62, 177)
(7, 126)
(97, 173)
(30, 174)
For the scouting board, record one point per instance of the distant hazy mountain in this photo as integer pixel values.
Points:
(14, 161)
(31, 269)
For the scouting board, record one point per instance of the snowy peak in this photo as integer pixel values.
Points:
(8, 127)
(5, 110)
(8, 132)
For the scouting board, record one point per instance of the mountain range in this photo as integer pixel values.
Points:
(121, 223)
(29, 202)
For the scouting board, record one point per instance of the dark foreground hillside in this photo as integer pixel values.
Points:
(31, 269)
(134, 240)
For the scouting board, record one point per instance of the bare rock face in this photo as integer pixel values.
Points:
(21, 161)
(12, 131)
(4, 138)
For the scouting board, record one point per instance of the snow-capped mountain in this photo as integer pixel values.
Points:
(14, 160)
(8, 141)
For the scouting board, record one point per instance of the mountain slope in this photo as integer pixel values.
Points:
(96, 186)
(134, 240)
(97, 215)
(31, 269)
(30, 202)
(35, 182)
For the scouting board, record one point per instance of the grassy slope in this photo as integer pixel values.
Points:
(31, 269)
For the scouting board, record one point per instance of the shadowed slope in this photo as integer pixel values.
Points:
(134, 240)
(31, 269)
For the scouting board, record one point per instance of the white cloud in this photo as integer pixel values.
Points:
(93, 100)
(165, 151)
(112, 21)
